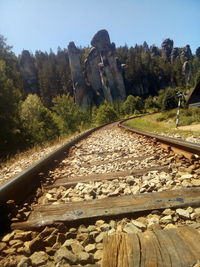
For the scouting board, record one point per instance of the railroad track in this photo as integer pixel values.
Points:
(106, 186)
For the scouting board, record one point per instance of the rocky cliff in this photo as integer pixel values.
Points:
(146, 70)
(102, 78)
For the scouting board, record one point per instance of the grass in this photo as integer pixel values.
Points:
(38, 148)
(164, 123)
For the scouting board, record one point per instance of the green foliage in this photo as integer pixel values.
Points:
(53, 75)
(37, 120)
(69, 117)
(167, 98)
(105, 114)
(171, 114)
(189, 116)
(49, 76)
(133, 104)
(170, 99)
(9, 100)
(118, 107)
(197, 80)
(151, 103)
(198, 53)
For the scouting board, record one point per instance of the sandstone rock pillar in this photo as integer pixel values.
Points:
(109, 67)
(93, 76)
(81, 91)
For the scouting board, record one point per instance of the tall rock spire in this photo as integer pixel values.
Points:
(81, 92)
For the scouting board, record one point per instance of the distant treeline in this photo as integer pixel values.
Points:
(36, 93)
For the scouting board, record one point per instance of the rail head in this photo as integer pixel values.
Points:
(174, 142)
(20, 187)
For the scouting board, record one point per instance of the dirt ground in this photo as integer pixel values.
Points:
(195, 127)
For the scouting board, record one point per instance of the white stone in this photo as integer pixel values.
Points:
(183, 214)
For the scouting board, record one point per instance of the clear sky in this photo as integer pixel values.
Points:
(44, 24)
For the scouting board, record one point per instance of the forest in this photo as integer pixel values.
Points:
(36, 92)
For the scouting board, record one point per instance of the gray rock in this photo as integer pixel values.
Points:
(99, 222)
(98, 255)
(24, 236)
(8, 237)
(15, 243)
(39, 258)
(131, 229)
(76, 247)
(186, 53)
(186, 176)
(153, 220)
(167, 46)
(24, 262)
(68, 243)
(100, 237)
(186, 71)
(2, 246)
(130, 180)
(166, 219)
(64, 254)
(109, 68)
(93, 75)
(34, 245)
(105, 227)
(183, 214)
(139, 225)
(101, 40)
(82, 93)
(90, 248)
(83, 256)
(168, 212)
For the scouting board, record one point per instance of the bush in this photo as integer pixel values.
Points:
(37, 120)
(118, 107)
(133, 104)
(67, 114)
(169, 99)
(105, 114)
(150, 103)
(189, 116)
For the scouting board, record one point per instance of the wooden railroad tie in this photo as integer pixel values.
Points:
(177, 247)
(72, 181)
(49, 214)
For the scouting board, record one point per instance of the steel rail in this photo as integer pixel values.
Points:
(20, 187)
(170, 141)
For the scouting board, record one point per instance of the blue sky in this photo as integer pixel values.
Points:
(44, 24)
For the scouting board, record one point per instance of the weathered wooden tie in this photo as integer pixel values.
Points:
(178, 247)
(49, 214)
(72, 181)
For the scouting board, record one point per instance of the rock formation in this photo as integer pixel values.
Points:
(186, 71)
(103, 79)
(81, 91)
(174, 53)
(93, 75)
(29, 73)
(186, 53)
(167, 46)
(109, 67)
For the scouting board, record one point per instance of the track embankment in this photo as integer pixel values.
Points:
(112, 182)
